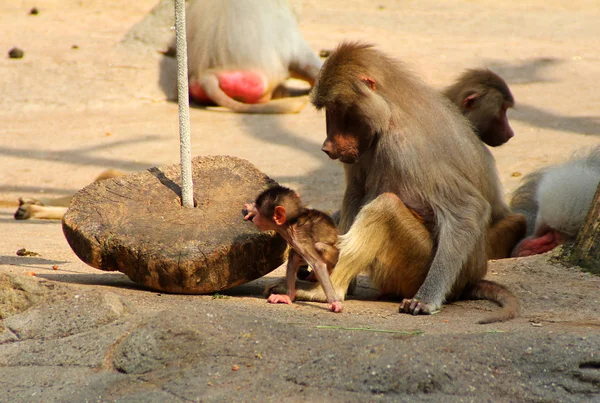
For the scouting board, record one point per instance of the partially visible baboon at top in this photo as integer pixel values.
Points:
(420, 191)
(240, 52)
(555, 200)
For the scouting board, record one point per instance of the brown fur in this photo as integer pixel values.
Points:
(415, 151)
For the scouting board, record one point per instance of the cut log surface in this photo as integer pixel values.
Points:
(135, 224)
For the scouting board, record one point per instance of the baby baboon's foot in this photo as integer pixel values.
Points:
(279, 299)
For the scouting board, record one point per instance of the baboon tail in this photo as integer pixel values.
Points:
(501, 295)
(210, 85)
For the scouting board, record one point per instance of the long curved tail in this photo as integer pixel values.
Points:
(210, 84)
(501, 295)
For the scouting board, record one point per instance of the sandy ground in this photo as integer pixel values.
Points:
(67, 113)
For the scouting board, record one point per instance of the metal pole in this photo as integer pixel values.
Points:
(185, 149)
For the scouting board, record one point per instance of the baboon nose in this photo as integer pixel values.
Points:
(328, 149)
(330, 153)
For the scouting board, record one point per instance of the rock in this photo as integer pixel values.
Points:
(155, 344)
(135, 224)
(18, 293)
(16, 53)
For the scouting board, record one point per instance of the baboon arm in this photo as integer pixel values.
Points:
(210, 84)
(290, 273)
(460, 230)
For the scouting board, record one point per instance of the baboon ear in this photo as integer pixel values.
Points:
(470, 100)
(369, 81)
(279, 215)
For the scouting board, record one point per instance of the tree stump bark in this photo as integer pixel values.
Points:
(586, 249)
(135, 224)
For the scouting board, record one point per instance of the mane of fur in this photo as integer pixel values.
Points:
(348, 64)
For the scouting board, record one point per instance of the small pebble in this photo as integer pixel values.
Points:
(25, 252)
(34, 11)
(324, 53)
(16, 53)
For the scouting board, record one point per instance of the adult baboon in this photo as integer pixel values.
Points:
(406, 149)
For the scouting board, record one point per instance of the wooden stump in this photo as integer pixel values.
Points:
(586, 250)
(135, 224)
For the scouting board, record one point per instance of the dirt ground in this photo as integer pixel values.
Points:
(83, 100)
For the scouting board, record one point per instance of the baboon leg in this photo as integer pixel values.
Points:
(504, 235)
(26, 211)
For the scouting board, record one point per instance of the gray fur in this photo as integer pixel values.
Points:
(247, 34)
(559, 196)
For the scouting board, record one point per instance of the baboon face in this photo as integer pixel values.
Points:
(348, 135)
(498, 130)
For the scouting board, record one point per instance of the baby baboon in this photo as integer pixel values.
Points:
(311, 234)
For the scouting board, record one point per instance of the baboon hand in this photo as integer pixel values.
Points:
(416, 307)
(250, 211)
